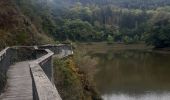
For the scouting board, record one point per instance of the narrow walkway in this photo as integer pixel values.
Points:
(19, 83)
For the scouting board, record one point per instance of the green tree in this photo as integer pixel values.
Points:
(110, 39)
(127, 40)
(159, 34)
(77, 30)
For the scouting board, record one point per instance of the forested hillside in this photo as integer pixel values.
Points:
(128, 21)
(142, 4)
(44, 21)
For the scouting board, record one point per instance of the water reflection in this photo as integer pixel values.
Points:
(133, 75)
(149, 96)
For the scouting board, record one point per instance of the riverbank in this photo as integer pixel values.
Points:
(103, 47)
(71, 82)
(75, 75)
(162, 50)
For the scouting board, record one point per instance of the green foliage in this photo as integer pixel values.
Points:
(127, 40)
(48, 26)
(86, 20)
(118, 36)
(142, 4)
(159, 34)
(72, 83)
(102, 22)
(21, 38)
(95, 20)
(110, 39)
(124, 25)
(76, 30)
(66, 80)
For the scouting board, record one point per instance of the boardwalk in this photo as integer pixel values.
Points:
(19, 85)
(39, 71)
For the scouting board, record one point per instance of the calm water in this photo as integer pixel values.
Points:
(133, 75)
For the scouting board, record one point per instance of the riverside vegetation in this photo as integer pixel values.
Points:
(72, 82)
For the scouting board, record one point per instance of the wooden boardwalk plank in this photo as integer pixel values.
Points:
(19, 83)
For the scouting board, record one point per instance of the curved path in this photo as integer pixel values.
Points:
(19, 83)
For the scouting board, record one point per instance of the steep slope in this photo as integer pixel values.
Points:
(16, 28)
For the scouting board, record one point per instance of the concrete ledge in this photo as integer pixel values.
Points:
(41, 69)
(3, 52)
(44, 88)
(43, 58)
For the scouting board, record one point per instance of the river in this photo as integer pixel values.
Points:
(133, 74)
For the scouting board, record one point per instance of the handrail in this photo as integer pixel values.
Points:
(44, 89)
(3, 52)
(41, 59)
(41, 69)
